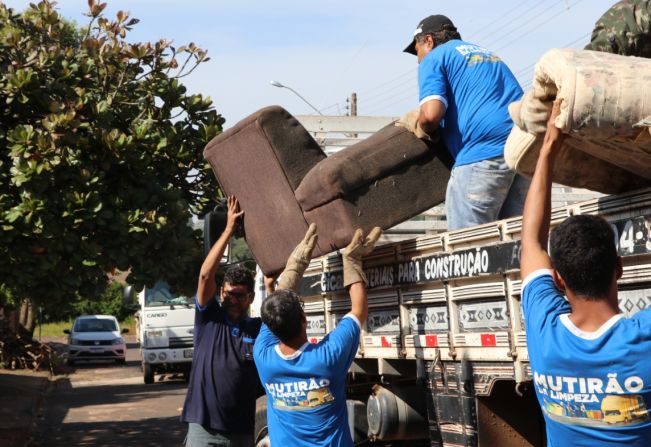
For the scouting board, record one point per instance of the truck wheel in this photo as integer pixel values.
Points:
(148, 373)
(260, 432)
(121, 361)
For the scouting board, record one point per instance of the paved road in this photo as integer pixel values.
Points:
(103, 404)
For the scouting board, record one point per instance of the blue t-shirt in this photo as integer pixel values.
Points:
(594, 387)
(306, 392)
(476, 88)
(223, 382)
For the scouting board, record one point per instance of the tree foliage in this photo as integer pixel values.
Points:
(101, 158)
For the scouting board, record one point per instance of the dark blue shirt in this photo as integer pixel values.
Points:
(224, 382)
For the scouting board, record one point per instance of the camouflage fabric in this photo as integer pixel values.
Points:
(624, 29)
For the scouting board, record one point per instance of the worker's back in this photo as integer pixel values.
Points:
(594, 387)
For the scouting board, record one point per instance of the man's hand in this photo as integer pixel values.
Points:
(270, 284)
(530, 113)
(410, 122)
(553, 137)
(537, 208)
(355, 251)
(207, 287)
(298, 261)
(232, 215)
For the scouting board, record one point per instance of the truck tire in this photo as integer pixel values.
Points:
(148, 373)
(260, 432)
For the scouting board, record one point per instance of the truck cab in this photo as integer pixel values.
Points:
(166, 326)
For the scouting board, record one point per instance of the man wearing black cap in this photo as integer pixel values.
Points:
(464, 94)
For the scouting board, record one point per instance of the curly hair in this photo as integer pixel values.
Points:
(583, 251)
(239, 275)
(282, 312)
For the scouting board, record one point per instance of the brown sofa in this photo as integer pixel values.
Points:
(284, 182)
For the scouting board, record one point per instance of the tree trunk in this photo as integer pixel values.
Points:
(26, 319)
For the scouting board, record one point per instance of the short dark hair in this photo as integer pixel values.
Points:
(238, 275)
(583, 251)
(282, 312)
(441, 37)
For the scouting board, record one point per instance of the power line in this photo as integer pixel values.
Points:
(398, 77)
(535, 27)
(530, 69)
(493, 26)
(408, 83)
(402, 95)
(519, 24)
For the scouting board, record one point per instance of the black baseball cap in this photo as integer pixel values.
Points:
(431, 24)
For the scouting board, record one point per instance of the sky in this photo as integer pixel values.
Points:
(326, 50)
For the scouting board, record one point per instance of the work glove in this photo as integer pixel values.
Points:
(530, 113)
(410, 122)
(354, 252)
(298, 261)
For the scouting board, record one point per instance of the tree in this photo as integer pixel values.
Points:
(101, 160)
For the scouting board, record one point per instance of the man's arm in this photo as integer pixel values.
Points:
(207, 286)
(424, 120)
(358, 301)
(537, 207)
(269, 284)
(298, 261)
(430, 115)
(354, 277)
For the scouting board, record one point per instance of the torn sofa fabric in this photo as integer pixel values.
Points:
(605, 110)
(284, 182)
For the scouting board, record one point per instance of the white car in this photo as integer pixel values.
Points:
(96, 337)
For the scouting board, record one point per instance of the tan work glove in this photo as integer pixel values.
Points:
(530, 113)
(298, 261)
(353, 254)
(410, 122)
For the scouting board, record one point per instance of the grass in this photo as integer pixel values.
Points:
(56, 329)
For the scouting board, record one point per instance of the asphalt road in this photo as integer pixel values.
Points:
(103, 404)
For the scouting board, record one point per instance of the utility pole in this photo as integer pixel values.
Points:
(351, 105)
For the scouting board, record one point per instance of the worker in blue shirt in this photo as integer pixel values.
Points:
(464, 93)
(590, 365)
(305, 383)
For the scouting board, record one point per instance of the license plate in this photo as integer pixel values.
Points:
(187, 353)
(96, 349)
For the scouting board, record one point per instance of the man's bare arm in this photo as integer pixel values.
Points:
(207, 286)
(431, 114)
(537, 207)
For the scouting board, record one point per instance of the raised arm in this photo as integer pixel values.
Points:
(207, 286)
(297, 262)
(354, 277)
(537, 207)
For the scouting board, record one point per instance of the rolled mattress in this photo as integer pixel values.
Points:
(605, 111)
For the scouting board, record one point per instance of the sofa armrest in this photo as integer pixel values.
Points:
(386, 151)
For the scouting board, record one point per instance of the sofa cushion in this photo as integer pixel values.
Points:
(261, 160)
(386, 151)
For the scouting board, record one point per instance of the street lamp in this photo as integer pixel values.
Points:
(279, 85)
